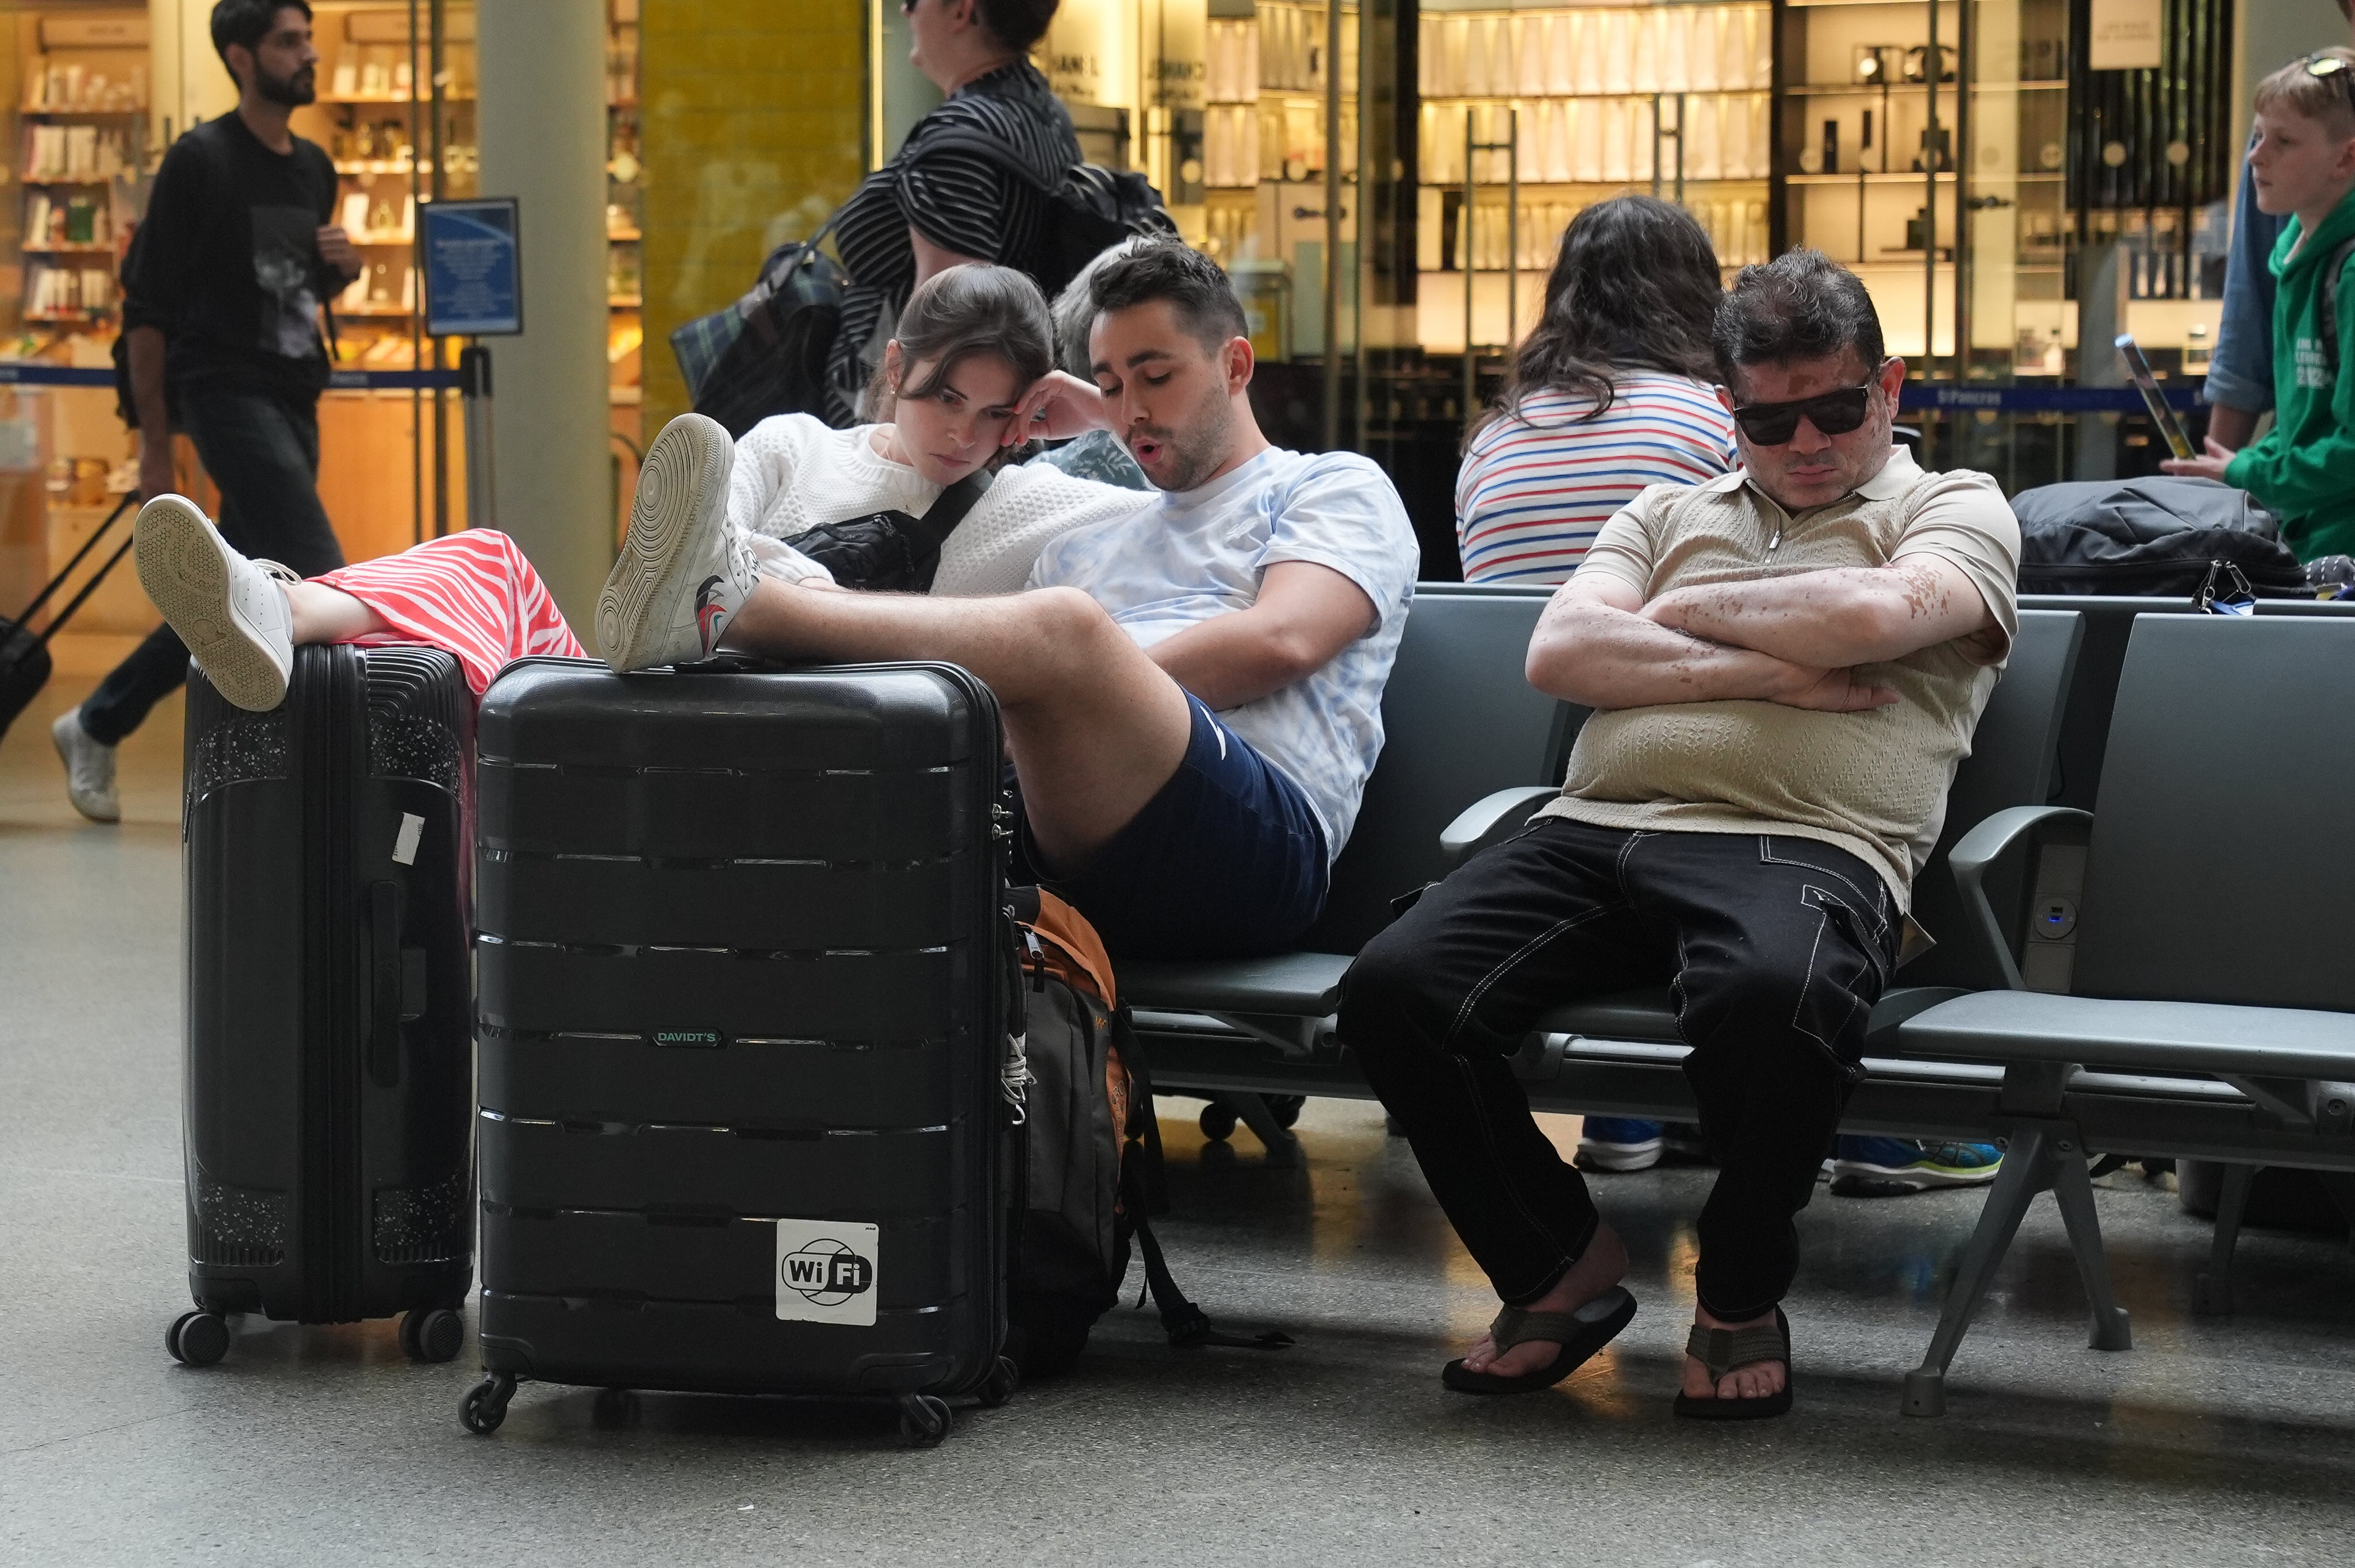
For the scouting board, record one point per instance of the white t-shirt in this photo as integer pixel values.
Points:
(794, 472)
(1190, 555)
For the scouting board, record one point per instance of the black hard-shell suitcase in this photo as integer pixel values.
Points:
(743, 978)
(329, 1091)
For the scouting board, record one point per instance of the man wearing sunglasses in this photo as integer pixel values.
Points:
(1785, 665)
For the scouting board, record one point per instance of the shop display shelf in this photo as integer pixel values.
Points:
(31, 110)
(67, 249)
(625, 302)
(382, 166)
(392, 97)
(624, 235)
(75, 179)
(79, 315)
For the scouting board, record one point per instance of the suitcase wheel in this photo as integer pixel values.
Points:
(1000, 1386)
(923, 1420)
(431, 1333)
(1218, 1121)
(485, 1404)
(196, 1338)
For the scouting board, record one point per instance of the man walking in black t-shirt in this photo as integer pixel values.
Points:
(222, 297)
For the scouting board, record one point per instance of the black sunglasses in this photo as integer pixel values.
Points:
(1833, 413)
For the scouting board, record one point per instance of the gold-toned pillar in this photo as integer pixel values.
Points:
(755, 129)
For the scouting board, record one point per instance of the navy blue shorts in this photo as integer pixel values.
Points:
(1227, 861)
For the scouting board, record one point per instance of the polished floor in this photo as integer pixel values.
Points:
(2212, 1442)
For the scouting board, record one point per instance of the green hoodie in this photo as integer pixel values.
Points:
(2303, 471)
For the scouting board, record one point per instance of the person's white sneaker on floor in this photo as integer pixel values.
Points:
(231, 611)
(90, 769)
(683, 574)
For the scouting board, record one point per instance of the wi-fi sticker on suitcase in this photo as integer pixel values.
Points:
(826, 1271)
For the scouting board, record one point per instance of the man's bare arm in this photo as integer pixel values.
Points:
(1304, 615)
(1595, 645)
(1846, 616)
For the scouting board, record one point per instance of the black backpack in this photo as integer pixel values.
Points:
(1089, 1174)
(2160, 536)
(767, 352)
(1092, 207)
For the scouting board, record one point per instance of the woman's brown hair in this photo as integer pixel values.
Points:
(959, 311)
(1634, 288)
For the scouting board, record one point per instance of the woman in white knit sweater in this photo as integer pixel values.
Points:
(971, 340)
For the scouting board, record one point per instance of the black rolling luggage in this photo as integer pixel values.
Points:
(24, 652)
(743, 983)
(329, 1085)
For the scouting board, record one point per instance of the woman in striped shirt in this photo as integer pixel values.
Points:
(1611, 393)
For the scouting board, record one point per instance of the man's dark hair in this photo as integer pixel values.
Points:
(1016, 23)
(1800, 305)
(1169, 269)
(248, 22)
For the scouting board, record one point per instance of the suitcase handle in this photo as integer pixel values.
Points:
(384, 988)
(59, 581)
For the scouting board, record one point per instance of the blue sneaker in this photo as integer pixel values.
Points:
(1892, 1167)
(1618, 1143)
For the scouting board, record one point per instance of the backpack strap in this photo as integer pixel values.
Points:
(968, 139)
(1141, 1196)
(2330, 271)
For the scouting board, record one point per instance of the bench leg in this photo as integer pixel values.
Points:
(2025, 1173)
(2211, 1294)
(2073, 1188)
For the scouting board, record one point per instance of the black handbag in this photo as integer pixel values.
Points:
(2162, 537)
(891, 552)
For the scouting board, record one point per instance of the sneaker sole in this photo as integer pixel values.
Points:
(1617, 1158)
(185, 573)
(1909, 1178)
(686, 469)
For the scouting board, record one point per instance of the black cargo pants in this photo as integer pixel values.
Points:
(1777, 948)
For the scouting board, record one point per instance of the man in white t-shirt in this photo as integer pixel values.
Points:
(1191, 692)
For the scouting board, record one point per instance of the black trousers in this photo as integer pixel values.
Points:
(1776, 947)
(264, 453)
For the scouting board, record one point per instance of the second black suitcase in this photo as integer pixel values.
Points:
(742, 1017)
(328, 1095)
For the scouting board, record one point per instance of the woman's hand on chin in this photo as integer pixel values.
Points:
(1057, 407)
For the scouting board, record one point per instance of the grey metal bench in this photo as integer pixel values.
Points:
(1460, 719)
(2191, 931)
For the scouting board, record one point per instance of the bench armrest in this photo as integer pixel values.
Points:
(1490, 821)
(2013, 831)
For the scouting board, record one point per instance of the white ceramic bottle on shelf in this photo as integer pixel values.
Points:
(1558, 157)
(1733, 51)
(1501, 72)
(1642, 145)
(1700, 64)
(1586, 55)
(1644, 62)
(1529, 53)
(1562, 52)
(1616, 166)
(1704, 158)
(1585, 134)
(1618, 52)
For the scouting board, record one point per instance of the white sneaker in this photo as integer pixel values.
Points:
(683, 574)
(228, 609)
(90, 769)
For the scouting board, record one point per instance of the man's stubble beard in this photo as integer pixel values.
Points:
(1203, 447)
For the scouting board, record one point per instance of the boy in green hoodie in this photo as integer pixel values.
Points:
(2303, 163)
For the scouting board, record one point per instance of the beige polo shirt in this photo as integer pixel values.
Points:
(1874, 783)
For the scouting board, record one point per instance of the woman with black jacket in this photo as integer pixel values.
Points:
(943, 199)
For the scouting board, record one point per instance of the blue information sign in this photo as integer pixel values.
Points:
(473, 273)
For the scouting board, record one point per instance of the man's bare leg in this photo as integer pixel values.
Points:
(1094, 727)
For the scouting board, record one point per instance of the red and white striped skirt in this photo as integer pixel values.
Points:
(473, 594)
